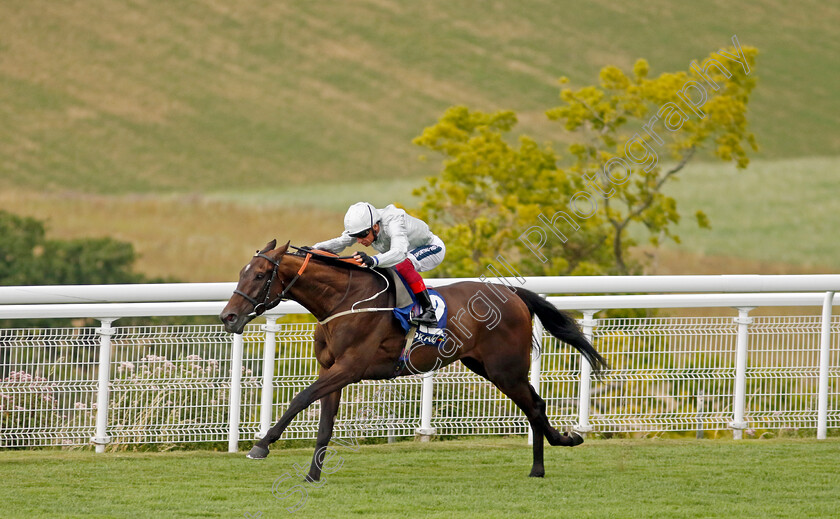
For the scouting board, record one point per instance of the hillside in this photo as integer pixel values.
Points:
(210, 96)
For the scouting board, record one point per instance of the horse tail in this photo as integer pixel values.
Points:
(563, 326)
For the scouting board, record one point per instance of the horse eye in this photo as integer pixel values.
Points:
(260, 275)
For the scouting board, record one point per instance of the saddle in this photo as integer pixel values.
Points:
(405, 304)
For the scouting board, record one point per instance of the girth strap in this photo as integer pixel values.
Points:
(354, 311)
(403, 358)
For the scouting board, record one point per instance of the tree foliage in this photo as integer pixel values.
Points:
(27, 257)
(625, 137)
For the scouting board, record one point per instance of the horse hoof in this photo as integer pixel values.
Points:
(537, 473)
(572, 439)
(257, 453)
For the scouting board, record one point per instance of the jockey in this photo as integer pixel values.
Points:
(404, 242)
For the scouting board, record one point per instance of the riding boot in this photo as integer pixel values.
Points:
(427, 311)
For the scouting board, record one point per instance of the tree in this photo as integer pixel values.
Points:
(28, 258)
(19, 238)
(555, 215)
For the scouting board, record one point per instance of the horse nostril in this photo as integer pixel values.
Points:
(230, 317)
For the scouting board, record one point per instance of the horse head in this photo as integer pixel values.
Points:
(258, 284)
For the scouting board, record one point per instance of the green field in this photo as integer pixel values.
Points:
(463, 478)
(152, 96)
(777, 217)
(214, 127)
(782, 211)
(198, 131)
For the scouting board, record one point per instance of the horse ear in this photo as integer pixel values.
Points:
(269, 246)
(280, 251)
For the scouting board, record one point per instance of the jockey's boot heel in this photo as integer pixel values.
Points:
(427, 315)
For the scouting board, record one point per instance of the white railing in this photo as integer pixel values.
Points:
(165, 384)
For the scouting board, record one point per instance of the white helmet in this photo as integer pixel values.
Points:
(360, 217)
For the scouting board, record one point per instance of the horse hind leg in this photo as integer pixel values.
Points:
(524, 401)
(522, 395)
(554, 437)
(512, 379)
(329, 408)
(538, 467)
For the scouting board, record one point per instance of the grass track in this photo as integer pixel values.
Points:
(463, 478)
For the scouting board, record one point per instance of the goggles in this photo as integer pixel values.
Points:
(362, 234)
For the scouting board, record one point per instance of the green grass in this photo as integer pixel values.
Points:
(775, 211)
(153, 96)
(306, 107)
(331, 196)
(462, 478)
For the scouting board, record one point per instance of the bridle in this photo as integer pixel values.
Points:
(260, 307)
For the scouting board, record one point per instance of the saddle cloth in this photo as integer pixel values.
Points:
(432, 336)
(404, 297)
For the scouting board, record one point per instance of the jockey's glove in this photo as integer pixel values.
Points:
(365, 259)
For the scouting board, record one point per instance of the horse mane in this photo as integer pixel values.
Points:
(352, 267)
(336, 262)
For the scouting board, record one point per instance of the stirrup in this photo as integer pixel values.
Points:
(426, 318)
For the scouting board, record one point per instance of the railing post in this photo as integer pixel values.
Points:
(101, 439)
(583, 426)
(701, 400)
(425, 431)
(267, 397)
(235, 393)
(738, 424)
(536, 366)
(825, 353)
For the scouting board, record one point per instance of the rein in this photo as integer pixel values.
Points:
(260, 307)
(353, 309)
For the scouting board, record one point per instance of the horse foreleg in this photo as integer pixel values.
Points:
(333, 380)
(329, 408)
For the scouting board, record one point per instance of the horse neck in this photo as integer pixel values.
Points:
(323, 288)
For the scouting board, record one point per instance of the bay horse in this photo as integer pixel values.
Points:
(366, 346)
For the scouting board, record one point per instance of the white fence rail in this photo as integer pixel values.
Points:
(122, 385)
